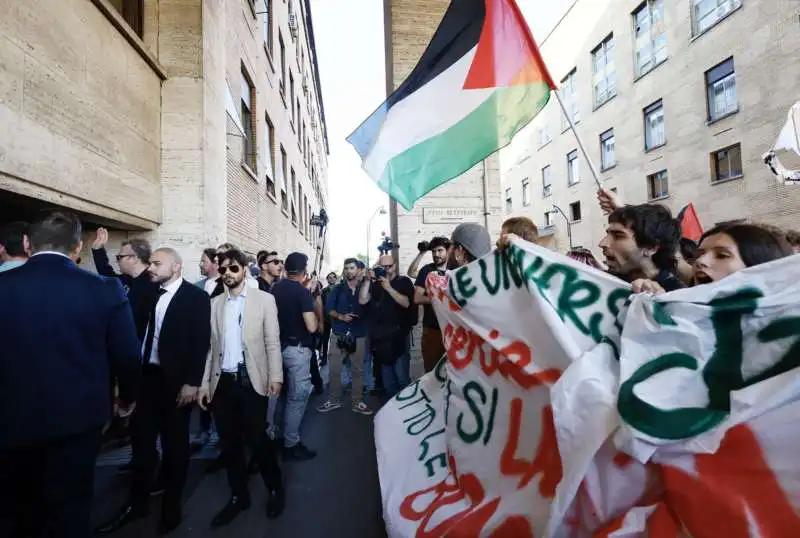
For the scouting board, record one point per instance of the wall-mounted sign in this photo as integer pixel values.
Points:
(445, 215)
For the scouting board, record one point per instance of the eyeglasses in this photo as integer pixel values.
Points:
(233, 268)
(275, 262)
(121, 257)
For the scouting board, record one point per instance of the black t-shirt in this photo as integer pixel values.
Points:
(668, 281)
(384, 310)
(293, 300)
(429, 319)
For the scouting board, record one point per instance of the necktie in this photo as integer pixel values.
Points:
(151, 328)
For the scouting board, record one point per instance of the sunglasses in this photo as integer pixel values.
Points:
(275, 262)
(121, 257)
(233, 268)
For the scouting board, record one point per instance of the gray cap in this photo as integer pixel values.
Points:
(473, 237)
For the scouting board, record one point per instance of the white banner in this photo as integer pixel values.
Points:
(569, 408)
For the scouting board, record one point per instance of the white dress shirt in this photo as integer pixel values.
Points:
(210, 285)
(233, 350)
(161, 311)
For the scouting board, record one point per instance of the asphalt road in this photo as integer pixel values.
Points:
(336, 495)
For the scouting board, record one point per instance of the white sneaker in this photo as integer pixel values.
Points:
(361, 408)
(329, 406)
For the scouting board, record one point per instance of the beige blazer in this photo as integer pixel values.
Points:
(262, 342)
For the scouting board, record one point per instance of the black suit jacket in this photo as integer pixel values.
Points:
(185, 336)
(142, 292)
(63, 332)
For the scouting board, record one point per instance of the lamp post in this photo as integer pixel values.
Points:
(557, 209)
(380, 211)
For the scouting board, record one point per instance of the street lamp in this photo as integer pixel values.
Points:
(557, 209)
(380, 211)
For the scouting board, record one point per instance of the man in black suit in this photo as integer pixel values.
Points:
(174, 352)
(64, 331)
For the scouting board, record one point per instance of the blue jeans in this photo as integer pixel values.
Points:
(287, 411)
(369, 378)
(397, 376)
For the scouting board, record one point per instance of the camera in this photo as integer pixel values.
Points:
(386, 246)
(346, 342)
(424, 246)
(379, 272)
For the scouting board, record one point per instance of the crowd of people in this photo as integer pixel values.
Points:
(244, 347)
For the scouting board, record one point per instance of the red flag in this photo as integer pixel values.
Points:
(690, 223)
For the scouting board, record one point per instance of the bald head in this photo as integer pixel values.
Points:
(166, 265)
(386, 262)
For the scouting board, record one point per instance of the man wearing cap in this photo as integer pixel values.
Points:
(298, 323)
(469, 242)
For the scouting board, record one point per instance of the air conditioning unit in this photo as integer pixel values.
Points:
(293, 25)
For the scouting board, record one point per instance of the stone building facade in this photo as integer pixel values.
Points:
(152, 120)
(675, 103)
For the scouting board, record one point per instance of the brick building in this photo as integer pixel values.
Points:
(409, 27)
(189, 123)
(675, 101)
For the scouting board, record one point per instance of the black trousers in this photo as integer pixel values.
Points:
(326, 339)
(241, 417)
(46, 487)
(157, 414)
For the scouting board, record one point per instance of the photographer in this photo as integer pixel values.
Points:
(432, 346)
(389, 299)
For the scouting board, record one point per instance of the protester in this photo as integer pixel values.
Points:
(331, 279)
(793, 237)
(13, 245)
(65, 332)
(242, 370)
(522, 227)
(270, 270)
(176, 344)
(209, 270)
(640, 243)
(468, 242)
(298, 323)
(685, 257)
(389, 298)
(349, 332)
(432, 345)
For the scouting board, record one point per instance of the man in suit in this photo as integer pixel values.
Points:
(244, 368)
(64, 330)
(209, 270)
(174, 355)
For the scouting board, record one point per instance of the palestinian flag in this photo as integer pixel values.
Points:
(479, 82)
(690, 223)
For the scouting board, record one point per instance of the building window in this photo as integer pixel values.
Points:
(707, 13)
(654, 135)
(282, 51)
(298, 118)
(548, 218)
(526, 192)
(248, 122)
(607, 158)
(294, 196)
(268, 25)
(291, 98)
(543, 135)
(301, 208)
(721, 90)
(509, 203)
(657, 186)
(575, 211)
(569, 94)
(284, 175)
(727, 163)
(132, 12)
(572, 168)
(547, 186)
(269, 164)
(650, 37)
(604, 78)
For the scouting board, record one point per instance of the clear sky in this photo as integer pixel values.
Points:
(350, 50)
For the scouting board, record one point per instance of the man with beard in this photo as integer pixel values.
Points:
(243, 368)
(349, 331)
(469, 242)
(641, 243)
(271, 270)
(176, 343)
(209, 270)
(432, 346)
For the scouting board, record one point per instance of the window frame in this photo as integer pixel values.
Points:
(268, 34)
(733, 6)
(646, 111)
(657, 56)
(603, 48)
(509, 201)
(715, 173)
(570, 99)
(573, 178)
(269, 141)
(526, 192)
(572, 206)
(282, 59)
(249, 121)
(662, 176)
(604, 137)
(725, 70)
(547, 188)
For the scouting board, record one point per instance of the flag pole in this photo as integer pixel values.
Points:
(578, 139)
